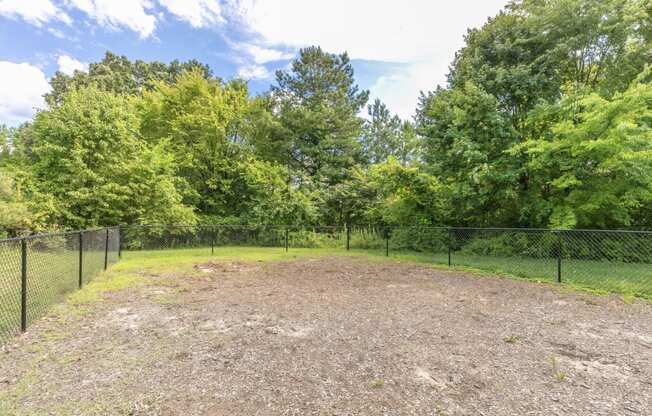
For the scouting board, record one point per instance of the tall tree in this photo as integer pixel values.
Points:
(504, 86)
(201, 121)
(317, 103)
(386, 135)
(90, 161)
(465, 137)
(536, 48)
(594, 166)
(119, 75)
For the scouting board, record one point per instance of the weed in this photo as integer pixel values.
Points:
(558, 374)
(378, 384)
(512, 339)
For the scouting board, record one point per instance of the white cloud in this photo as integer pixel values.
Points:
(422, 34)
(400, 88)
(261, 54)
(254, 72)
(199, 13)
(21, 91)
(57, 33)
(116, 14)
(69, 65)
(36, 12)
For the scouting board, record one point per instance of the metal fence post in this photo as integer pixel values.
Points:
(386, 242)
(213, 241)
(23, 286)
(559, 254)
(106, 250)
(348, 237)
(81, 254)
(450, 243)
(119, 241)
(287, 239)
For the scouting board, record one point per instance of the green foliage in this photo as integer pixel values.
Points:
(89, 158)
(594, 168)
(5, 143)
(545, 122)
(526, 54)
(539, 125)
(199, 120)
(306, 238)
(465, 137)
(267, 198)
(119, 75)
(419, 239)
(385, 135)
(511, 244)
(15, 214)
(317, 103)
(405, 195)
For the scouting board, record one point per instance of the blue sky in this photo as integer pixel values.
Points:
(397, 48)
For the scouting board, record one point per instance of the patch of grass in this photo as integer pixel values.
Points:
(75, 305)
(596, 277)
(11, 398)
(378, 384)
(105, 283)
(512, 339)
(599, 278)
(557, 373)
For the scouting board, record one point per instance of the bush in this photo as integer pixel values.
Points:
(420, 239)
(536, 244)
(318, 238)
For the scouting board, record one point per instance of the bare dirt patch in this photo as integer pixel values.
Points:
(336, 336)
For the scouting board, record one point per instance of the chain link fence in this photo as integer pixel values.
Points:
(610, 261)
(39, 271)
(168, 237)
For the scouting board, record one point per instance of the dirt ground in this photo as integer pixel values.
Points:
(336, 336)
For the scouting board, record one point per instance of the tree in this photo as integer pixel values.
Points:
(265, 197)
(16, 216)
(210, 127)
(504, 89)
(535, 49)
(201, 121)
(594, 167)
(5, 145)
(317, 103)
(89, 158)
(391, 193)
(385, 135)
(598, 45)
(119, 75)
(465, 137)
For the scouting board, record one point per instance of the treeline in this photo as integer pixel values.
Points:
(546, 121)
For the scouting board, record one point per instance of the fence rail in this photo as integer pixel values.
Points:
(38, 271)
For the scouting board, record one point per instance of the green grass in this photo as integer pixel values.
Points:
(629, 279)
(52, 276)
(155, 261)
